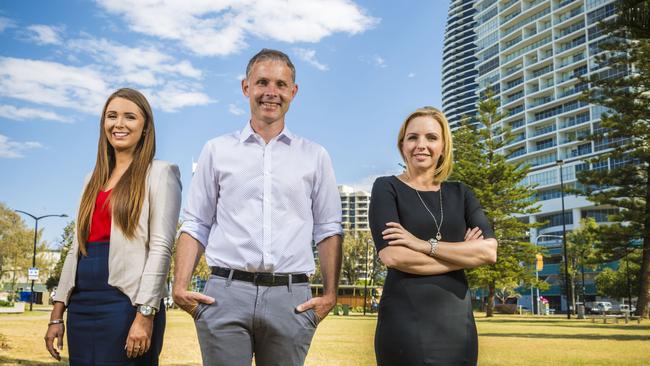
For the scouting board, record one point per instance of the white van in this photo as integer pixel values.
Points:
(601, 307)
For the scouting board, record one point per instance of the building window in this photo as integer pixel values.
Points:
(601, 13)
(600, 215)
(555, 219)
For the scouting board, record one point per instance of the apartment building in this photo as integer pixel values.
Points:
(530, 54)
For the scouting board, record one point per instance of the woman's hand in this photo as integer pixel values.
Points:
(397, 235)
(472, 234)
(139, 339)
(55, 332)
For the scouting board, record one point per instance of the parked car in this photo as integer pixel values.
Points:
(624, 308)
(600, 307)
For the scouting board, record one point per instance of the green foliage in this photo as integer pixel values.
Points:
(202, 270)
(582, 244)
(353, 262)
(614, 283)
(480, 164)
(634, 17)
(582, 247)
(6, 303)
(624, 88)
(16, 245)
(64, 246)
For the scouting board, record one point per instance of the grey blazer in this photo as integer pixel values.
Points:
(138, 267)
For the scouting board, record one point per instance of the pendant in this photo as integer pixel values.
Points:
(438, 236)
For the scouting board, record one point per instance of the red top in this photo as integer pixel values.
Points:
(100, 224)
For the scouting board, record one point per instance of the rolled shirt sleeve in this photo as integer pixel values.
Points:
(326, 201)
(199, 213)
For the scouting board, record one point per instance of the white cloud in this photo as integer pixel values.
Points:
(167, 80)
(240, 77)
(375, 60)
(21, 114)
(234, 109)
(44, 34)
(379, 61)
(53, 84)
(309, 56)
(219, 28)
(13, 149)
(172, 83)
(174, 96)
(411, 75)
(6, 23)
(135, 65)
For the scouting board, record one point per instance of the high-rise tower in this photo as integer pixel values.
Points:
(530, 54)
(458, 66)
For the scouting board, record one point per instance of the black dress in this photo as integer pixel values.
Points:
(425, 320)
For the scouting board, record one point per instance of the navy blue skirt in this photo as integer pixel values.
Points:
(100, 316)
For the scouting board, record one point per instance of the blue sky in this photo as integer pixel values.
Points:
(362, 66)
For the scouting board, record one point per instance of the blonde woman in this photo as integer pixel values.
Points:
(427, 230)
(113, 279)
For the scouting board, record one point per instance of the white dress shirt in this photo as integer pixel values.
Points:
(257, 207)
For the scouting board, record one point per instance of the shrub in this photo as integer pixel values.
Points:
(6, 303)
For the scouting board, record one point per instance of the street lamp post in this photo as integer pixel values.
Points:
(539, 311)
(567, 288)
(31, 294)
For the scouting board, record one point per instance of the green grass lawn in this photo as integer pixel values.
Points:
(503, 340)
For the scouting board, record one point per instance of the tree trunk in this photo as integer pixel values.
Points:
(644, 276)
(490, 300)
(572, 288)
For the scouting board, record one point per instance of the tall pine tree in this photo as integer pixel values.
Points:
(496, 182)
(622, 85)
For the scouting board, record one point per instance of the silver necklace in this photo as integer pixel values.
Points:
(442, 217)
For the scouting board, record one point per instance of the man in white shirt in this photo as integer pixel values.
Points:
(258, 199)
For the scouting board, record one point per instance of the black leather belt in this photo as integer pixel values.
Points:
(260, 278)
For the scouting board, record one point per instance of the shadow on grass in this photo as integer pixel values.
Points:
(525, 320)
(596, 337)
(352, 317)
(567, 323)
(4, 360)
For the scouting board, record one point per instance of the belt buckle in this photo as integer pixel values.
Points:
(260, 279)
(269, 279)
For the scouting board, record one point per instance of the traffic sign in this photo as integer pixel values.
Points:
(32, 273)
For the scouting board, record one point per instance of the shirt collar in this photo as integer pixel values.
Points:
(247, 134)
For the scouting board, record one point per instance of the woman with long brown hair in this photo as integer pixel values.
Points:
(113, 278)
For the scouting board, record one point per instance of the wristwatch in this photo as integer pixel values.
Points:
(434, 247)
(146, 310)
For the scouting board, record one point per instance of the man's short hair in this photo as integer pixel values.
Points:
(267, 54)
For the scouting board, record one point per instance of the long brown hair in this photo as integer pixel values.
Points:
(128, 195)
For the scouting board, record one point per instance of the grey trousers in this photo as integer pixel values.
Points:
(247, 320)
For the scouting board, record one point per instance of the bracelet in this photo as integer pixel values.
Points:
(55, 321)
(434, 247)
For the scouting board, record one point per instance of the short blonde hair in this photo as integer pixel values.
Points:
(445, 162)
